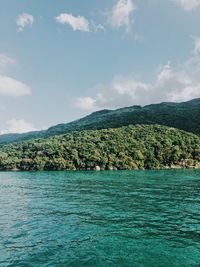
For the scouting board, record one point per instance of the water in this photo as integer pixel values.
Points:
(143, 218)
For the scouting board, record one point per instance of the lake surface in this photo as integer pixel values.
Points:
(142, 218)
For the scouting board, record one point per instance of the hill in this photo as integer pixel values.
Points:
(125, 148)
(184, 116)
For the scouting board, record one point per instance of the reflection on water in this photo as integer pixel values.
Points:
(143, 218)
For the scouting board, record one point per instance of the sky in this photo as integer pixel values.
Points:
(61, 60)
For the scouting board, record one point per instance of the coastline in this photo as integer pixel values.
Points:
(197, 167)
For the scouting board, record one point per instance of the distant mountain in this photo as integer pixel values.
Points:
(184, 116)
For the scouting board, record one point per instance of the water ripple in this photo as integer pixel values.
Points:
(144, 218)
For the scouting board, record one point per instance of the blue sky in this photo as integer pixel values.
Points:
(60, 60)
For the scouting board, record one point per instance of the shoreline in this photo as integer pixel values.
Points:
(104, 170)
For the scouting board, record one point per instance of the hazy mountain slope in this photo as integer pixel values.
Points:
(184, 116)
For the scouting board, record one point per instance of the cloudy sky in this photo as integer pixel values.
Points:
(60, 60)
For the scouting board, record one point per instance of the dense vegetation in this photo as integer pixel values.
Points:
(184, 116)
(130, 147)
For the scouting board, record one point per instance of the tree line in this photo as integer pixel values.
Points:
(125, 148)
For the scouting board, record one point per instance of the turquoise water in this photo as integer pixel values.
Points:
(143, 218)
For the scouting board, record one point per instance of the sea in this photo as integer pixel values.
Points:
(100, 219)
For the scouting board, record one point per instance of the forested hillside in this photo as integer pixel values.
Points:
(130, 147)
(184, 116)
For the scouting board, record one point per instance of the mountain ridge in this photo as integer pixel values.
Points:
(184, 116)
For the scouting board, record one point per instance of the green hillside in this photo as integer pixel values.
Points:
(184, 116)
(130, 147)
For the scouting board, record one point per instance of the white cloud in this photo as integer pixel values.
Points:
(5, 61)
(169, 85)
(8, 85)
(24, 20)
(12, 87)
(188, 5)
(121, 14)
(87, 103)
(177, 85)
(97, 27)
(78, 23)
(18, 126)
(196, 44)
